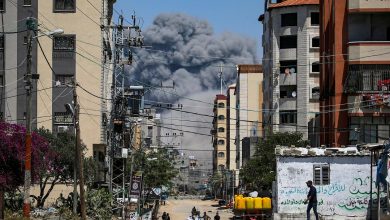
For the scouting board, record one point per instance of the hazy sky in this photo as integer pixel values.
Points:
(223, 15)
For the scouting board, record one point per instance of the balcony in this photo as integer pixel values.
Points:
(368, 79)
(287, 104)
(368, 6)
(288, 79)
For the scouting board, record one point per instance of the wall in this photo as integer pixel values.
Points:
(348, 193)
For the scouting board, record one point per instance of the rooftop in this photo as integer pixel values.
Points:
(285, 151)
(288, 3)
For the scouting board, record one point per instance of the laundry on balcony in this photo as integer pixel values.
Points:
(368, 78)
(384, 84)
(375, 100)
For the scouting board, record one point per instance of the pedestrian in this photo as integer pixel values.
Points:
(164, 216)
(168, 218)
(217, 217)
(206, 217)
(311, 200)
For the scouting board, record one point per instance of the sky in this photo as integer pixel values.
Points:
(235, 16)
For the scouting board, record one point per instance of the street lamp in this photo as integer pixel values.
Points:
(32, 28)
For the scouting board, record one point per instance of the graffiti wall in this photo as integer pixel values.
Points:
(348, 191)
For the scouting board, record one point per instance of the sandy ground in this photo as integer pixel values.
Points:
(181, 209)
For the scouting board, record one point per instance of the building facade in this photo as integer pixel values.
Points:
(291, 67)
(249, 101)
(219, 133)
(355, 72)
(231, 128)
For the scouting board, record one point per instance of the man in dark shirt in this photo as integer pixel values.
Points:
(311, 200)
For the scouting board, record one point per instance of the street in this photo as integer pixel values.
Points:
(181, 209)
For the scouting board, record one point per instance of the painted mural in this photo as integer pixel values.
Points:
(348, 193)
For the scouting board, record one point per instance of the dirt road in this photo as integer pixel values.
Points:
(181, 209)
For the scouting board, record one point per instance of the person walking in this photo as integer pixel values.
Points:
(311, 200)
(206, 217)
(164, 216)
(168, 217)
(217, 217)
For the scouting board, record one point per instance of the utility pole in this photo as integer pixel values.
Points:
(31, 26)
(79, 152)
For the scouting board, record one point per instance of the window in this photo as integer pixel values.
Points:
(221, 129)
(26, 2)
(288, 42)
(315, 92)
(64, 43)
(315, 18)
(64, 6)
(1, 42)
(1, 81)
(63, 80)
(221, 105)
(315, 67)
(25, 40)
(288, 117)
(221, 154)
(315, 42)
(150, 131)
(288, 91)
(221, 167)
(288, 66)
(2, 5)
(221, 117)
(289, 19)
(221, 142)
(321, 174)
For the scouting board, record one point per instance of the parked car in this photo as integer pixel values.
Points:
(207, 197)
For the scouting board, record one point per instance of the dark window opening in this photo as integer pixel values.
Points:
(288, 91)
(315, 42)
(221, 105)
(388, 34)
(221, 142)
(221, 129)
(315, 67)
(288, 117)
(2, 5)
(221, 154)
(287, 42)
(289, 19)
(315, 92)
(64, 43)
(288, 66)
(315, 18)
(27, 3)
(64, 6)
(221, 117)
(1, 42)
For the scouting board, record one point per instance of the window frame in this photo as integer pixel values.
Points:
(4, 6)
(288, 121)
(315, 63)
(320, 168)
(311, 42)
(220, 142)
(27, 5)
(285, 37)
(285, 19)
(221, 129)
(221, 154)
(64, 36)
(55, 10)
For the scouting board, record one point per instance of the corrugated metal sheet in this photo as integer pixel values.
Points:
(289, 3)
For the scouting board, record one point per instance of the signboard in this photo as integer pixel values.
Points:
(63, 118)
(136, 180)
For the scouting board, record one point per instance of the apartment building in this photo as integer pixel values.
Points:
(249, 102)
(355, 71)
(231, 128)
(219, 133)
(291, 44)
(77, 53)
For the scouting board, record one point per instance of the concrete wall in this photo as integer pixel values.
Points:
(348, 193)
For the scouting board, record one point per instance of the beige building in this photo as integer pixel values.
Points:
(231, 128)
(219, 133)
(249, 102)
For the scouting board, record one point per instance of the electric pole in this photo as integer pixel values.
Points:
(79, 152)
(31, 26)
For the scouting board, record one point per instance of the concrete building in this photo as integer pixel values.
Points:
(291, 67)
(231, 128)
(219, 133)
(249, 101)
(355, 71)
(78, 52)
(341, 176)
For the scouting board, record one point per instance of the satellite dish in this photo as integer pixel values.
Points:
(58, 83)
(294, 94)
(292, 70)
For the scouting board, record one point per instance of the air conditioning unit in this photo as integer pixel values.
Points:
(62, 129)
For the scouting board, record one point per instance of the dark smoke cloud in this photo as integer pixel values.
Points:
(185, 50)
(191, 57)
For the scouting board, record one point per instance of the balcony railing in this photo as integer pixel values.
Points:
(368, 79)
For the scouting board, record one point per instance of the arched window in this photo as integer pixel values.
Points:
(221, 154)
(221, 129)
(221, 167)
(221, 105)
(221, 142)
(221, 117)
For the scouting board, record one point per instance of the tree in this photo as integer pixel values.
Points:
(259, 172)
(61, 168)
(12, 156)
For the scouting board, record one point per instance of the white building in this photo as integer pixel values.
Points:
(290, 66)
(341, 176)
